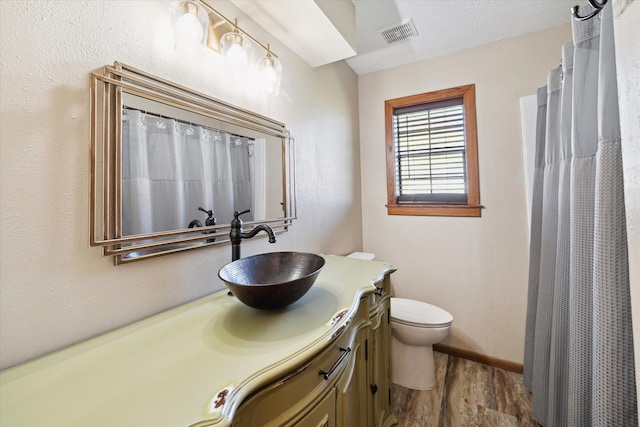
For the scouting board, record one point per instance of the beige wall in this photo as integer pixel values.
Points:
(56, 290)
(476, 268)
(626, 15)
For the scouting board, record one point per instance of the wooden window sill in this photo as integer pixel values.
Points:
(435, 210)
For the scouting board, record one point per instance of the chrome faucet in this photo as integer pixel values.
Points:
(236, 234)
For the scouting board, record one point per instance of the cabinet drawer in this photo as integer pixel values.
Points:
(288, 400)
(323, 414)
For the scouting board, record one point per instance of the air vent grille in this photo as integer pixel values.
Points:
(402, 31)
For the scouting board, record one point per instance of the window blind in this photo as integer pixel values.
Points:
(430, 152)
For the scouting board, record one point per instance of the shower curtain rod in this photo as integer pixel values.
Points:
(596, 5)
(186, 122)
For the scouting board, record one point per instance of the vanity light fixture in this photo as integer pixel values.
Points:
(190, 27)
(270, 73)
(236, 49)
(224, 36)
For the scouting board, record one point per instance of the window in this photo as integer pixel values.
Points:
(432, 154)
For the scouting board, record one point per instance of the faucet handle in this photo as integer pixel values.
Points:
(236, 214)
(209, 212)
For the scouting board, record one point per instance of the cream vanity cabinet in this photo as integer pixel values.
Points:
(322, 361)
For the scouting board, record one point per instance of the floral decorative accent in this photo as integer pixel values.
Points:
(337, 317)
(221, 399)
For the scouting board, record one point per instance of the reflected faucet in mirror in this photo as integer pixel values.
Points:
(236, 235)
(211, 220)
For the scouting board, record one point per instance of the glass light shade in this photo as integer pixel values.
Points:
(190, 27)
(236, 49)
(270, 74)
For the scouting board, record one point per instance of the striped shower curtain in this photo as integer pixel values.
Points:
(579, 362)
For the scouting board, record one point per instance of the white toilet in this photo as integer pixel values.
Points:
(415, 327)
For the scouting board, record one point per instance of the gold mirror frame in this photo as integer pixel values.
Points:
(106, 168)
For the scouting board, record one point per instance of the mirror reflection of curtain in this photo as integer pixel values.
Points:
(241, 174)
(258, 177)
(171, 168)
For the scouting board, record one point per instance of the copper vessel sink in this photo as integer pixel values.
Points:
(273, 280)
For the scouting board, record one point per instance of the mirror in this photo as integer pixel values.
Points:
(171, 165)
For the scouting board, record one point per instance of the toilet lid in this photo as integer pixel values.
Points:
(418, 313)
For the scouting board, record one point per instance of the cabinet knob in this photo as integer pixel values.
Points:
(374, 389)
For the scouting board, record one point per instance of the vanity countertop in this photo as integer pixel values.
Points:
(192, 364)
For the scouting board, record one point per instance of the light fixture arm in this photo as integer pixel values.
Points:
(236, 28)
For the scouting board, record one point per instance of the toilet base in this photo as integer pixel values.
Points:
(412, 366)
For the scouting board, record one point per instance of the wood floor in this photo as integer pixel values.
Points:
(466, 394)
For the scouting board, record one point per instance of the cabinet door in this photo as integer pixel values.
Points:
(380, 363)
(380, 386)
(353, 402)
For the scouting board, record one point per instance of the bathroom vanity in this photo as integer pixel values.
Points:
(322, 361)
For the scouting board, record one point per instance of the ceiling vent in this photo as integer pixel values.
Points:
(396, 33)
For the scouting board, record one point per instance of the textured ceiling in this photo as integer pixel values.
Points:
(446, 26)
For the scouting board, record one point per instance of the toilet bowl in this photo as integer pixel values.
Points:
(415, 327)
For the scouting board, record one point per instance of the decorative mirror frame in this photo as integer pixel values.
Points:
(106, 167)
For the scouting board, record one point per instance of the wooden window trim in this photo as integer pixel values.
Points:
(472, 208)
